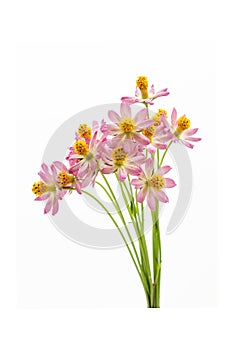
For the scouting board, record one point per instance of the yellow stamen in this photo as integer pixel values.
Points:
(64, 179)
(149, 132)
(183, 123)
(157, 181)
(127, 125)
(142, 84)
(81, 147)
(39, 188)
(119, 156)
(84, 131)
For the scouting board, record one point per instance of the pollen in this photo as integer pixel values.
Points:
(64, 179)
(149, 132)
(157, 181)
(39, 188)
(81, 147)
(84, 131)
(142, 82)
(127, 125)
(119, 156)
(183, 123)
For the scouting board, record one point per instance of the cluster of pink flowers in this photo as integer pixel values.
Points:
(124, 145)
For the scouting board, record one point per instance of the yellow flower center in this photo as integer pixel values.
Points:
(64, 179)
(157, 181)
(81, 147)
(142, 84)
(127, 125)
(84, 131)
(183, 123)
(39, 188)
(158, 115)
(119, 156)
(149, 132)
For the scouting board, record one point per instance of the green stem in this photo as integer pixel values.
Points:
(164, 154)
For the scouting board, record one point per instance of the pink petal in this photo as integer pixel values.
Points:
(107, 170)
(163, 170)
(187, 144)
(159, 145)
(54, 171)
(151, 201)
(48, 205)
(137, 92)
(46, 178)
(149, 166)
(125, 110)
(129, 100)
(193, 139)
(137, 183)
(133, 170)
(113, 116)
(143, 140)
(190, 132)
(45, 168)
(169, 183)
(122, 174)
(78, 187)
(161, 196)
(60, 166)
(174, 117)
(145, 124)
(152, 89)
(43, 197)
(151, 148)
(55, 206)
(141, 115)
(142, 195)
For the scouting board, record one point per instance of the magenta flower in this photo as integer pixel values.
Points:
(48, 189)
(142, 95)
(151, 184)
(128, 127)
(181, 130)
(124, 159)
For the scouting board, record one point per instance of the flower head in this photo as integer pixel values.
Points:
(152, 183)
(142, 95)
(123, 159)
(181, 130)
(48, 189)
(128, 127)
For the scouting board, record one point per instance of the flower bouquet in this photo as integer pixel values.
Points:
(132, 149)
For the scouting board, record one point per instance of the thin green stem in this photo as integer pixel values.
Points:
(164, 154)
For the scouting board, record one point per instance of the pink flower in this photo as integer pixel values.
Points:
(181, 130)
(128, 127)
(124, 159)
(48, 189)
(151, 184)
(142, 95)
(66, 178)
(158, 136)
(87, 157)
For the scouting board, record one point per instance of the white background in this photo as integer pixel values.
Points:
(66, 60)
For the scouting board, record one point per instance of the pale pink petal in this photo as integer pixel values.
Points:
(60, 166)
(48, 205)
(55, 206)
(137, 183)
(129, 100)
(159, 145)
(122, 175)
(54, 171)
(143, 140)
(141, 115)
(149, 166)
(108, 170)
(142, 195)
(174, 117)
(169, 183)
(133, 170)
(137, 92)
(190, 132)
(113, 129)
(46, 178)
(187, 144)
(144, 124)
(161, 196)
(163, 170)
(152, 90)
(151, 200)
(45, 168)
(43, 197)
(125, 110)
(151, 148)
(113, 116)
(193, 139)
(78, 187)
(93, 164)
